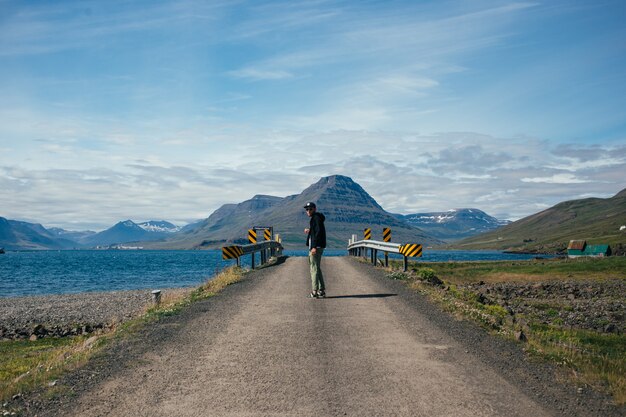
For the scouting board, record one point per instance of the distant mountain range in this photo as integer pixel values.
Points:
(17, 235)
(455, 224)
(348, 209)
(74, 236)
(597, 220)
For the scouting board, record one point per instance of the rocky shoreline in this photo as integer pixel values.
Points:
(36, 317)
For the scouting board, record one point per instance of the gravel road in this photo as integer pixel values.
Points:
(372, 348)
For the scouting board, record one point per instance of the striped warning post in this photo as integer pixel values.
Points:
(387, 234)
(267, 234)
(411, 250)
(367, 234)
(231, 252)
(252, 235)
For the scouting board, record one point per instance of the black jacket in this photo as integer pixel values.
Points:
(317, 232)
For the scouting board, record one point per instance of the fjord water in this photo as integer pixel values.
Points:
(63, 272)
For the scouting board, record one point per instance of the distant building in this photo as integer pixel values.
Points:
(577, 248)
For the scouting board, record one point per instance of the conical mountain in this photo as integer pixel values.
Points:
(347, 206)
(348, 209)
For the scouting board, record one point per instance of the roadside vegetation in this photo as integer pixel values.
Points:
(569, 312)
(30, 365)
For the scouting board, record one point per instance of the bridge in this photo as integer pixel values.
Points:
(271, 246)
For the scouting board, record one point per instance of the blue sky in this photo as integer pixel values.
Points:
(167, 110)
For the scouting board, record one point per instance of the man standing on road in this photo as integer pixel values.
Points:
(316, 241)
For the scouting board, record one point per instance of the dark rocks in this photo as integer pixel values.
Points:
(585, 304)
(482, 299)
(40, 330)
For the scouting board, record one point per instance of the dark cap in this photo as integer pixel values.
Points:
(309, 205)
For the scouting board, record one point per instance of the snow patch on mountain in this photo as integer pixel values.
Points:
(159, 226)
(456, 223)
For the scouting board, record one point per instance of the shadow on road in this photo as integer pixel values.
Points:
(362, 296)
(279, 261)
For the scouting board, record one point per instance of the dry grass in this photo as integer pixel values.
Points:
(224, 279)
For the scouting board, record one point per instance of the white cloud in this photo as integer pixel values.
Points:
(557, 179)
(504, 177)
(257, 74)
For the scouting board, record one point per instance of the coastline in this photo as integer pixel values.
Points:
(34, 317)
(533, 252)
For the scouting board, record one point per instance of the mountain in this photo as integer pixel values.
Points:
(454, 224)
(228, 223)
(160, 226)
(128, 231)
(18, 235)
(347, 206)
(597, 220)
(75, 236)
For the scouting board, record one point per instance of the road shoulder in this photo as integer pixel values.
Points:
(537, 379)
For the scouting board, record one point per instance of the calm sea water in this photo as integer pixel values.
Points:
(62, 272)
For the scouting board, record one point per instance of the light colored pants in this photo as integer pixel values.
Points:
(317, 279)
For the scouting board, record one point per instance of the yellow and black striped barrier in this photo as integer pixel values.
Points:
(231, 252)
(411, 250)
(367, 234)
(267, 234)
(387, 234)
(252, 235)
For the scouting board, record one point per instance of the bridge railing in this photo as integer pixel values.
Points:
(361, 247)
(265, 250)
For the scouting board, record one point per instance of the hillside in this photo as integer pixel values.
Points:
(595, 219)
(18, 235)
(347, 206)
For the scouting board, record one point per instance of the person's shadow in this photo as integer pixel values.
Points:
(362, 296)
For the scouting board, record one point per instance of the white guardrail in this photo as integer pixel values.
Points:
(361, 247)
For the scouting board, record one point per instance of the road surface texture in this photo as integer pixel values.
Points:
(371, 348)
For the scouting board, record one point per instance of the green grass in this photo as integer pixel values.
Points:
(537, 269)
(596, 359)
(27, 365)
(591, 358)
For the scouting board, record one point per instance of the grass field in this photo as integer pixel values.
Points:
(532, 270)
(587, 357)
